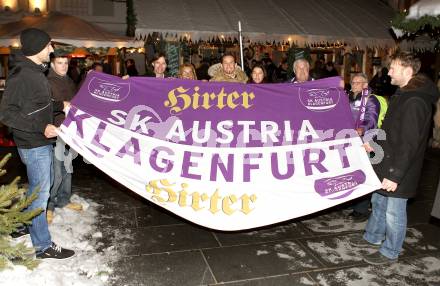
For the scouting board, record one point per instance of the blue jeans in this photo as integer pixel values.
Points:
(38, 163)
(387, 223)
(62, 182)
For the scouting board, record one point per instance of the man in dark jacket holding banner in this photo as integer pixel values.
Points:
(407, 124)
(28, 109)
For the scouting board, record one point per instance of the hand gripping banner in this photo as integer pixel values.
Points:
(226, 156)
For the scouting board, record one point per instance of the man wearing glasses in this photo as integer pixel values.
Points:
(365, 109)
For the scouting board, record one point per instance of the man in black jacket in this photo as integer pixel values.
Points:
(406, 125)
(28, 109)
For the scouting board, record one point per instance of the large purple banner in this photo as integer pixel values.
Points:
(223, 155)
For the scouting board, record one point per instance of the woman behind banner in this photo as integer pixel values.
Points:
(187, 71)
(258, 74)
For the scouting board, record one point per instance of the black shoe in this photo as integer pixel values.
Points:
(20, 232)
(359, 241)
(359, 217)
(55, 252)
(378, 258)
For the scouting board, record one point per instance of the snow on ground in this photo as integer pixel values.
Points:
(265, 233)
(334, 222)
(74, 230)
(262, 252)
(294, 254)
(419, 271)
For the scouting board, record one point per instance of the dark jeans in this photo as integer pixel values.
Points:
(62, 186)
(62, 183)
(362, 205)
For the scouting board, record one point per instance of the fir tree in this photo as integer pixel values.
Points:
(12, 216)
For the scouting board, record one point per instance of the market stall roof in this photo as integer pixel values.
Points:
(356, 22)
(66, 29)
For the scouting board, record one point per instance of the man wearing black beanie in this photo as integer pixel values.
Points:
(28, 109)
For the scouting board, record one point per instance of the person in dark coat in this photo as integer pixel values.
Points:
(330, 70)
(131, 67)
(27, 107)
(381, 83)
(407, 125)
(74, 71)
(270, 68)
(63, 89)
(202, 70)
(318, 70)
(281, 72)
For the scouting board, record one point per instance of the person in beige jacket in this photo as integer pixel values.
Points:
(228, 71)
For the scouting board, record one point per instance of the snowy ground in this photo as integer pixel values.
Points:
(302, 255)
(73, 230)
(127, 241)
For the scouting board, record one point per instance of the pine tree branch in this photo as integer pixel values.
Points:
(17, 253)
(5, 160)
(13, 214)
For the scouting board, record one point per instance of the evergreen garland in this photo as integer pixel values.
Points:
(131, 18)
(425, 24)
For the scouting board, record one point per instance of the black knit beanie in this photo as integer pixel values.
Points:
(33, 41)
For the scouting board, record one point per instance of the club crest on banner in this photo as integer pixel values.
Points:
(319, 99)
(108, 91)
(339, 186)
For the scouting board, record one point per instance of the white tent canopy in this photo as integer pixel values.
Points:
(356, 22)
(66, 29)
